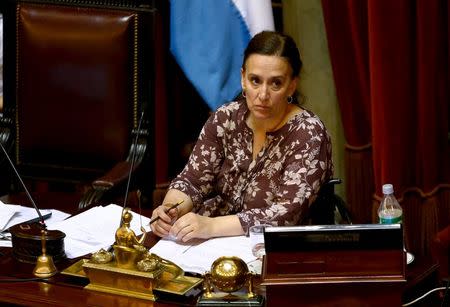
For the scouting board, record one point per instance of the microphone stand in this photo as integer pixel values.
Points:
(41, 218)
(133, 160)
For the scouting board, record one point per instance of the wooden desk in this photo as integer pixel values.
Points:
(63, 290)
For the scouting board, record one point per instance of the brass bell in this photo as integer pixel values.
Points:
(44, 265)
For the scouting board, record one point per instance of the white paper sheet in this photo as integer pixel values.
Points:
(199, 256)
(94, 229)
(6, 214)
(11, 215)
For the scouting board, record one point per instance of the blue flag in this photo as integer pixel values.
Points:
(208, 39)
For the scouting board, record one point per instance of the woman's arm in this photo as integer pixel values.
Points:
(193, 184)
(184, 225)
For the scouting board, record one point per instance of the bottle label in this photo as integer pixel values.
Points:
(391, 220)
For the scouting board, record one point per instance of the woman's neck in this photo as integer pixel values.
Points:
(270, 125)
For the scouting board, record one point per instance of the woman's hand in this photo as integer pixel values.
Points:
(191, 226)
(166, 218)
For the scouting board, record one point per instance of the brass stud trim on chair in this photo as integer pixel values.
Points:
(135, 70)
(17, 83)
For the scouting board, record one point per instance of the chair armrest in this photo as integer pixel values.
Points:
(117, 175)
(113, 178)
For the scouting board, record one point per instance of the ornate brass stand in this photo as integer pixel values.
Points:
(229, 275)
(111, 279)
(132, 270)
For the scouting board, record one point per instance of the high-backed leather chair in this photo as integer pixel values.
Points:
(328, 208)
(78, 75)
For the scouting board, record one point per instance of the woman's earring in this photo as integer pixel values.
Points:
(243, 93)
(290, 99)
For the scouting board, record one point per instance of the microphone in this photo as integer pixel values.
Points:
(133, 160)
(30, 244)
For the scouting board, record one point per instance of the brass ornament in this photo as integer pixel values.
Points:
(102, 256)
(229, 275)
(45, 267)
(149, 263)
(132, 270)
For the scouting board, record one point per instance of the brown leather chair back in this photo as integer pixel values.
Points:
(83, 75)
(76, 101)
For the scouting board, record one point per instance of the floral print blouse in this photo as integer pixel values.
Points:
(222, 178)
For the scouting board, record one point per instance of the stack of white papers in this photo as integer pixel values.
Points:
(11, 215)
(95, 229)
(199, 256)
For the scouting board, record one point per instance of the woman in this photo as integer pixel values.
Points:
(258, 160)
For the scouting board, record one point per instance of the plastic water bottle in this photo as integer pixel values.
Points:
(389, 211)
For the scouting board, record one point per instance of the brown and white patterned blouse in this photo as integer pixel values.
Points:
(222, 178)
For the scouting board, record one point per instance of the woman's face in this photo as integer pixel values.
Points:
(267, 82)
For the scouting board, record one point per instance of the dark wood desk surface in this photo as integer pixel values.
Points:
(64, 290)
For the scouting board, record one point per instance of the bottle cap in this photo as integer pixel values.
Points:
(388, 188)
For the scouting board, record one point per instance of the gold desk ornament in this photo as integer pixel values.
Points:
(132, 271)
(229, 275)
(45, 267)
(102, 256)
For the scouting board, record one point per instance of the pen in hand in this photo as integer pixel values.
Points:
(111, 248)
(172, 207)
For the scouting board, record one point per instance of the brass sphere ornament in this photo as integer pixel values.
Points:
(228, 274)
